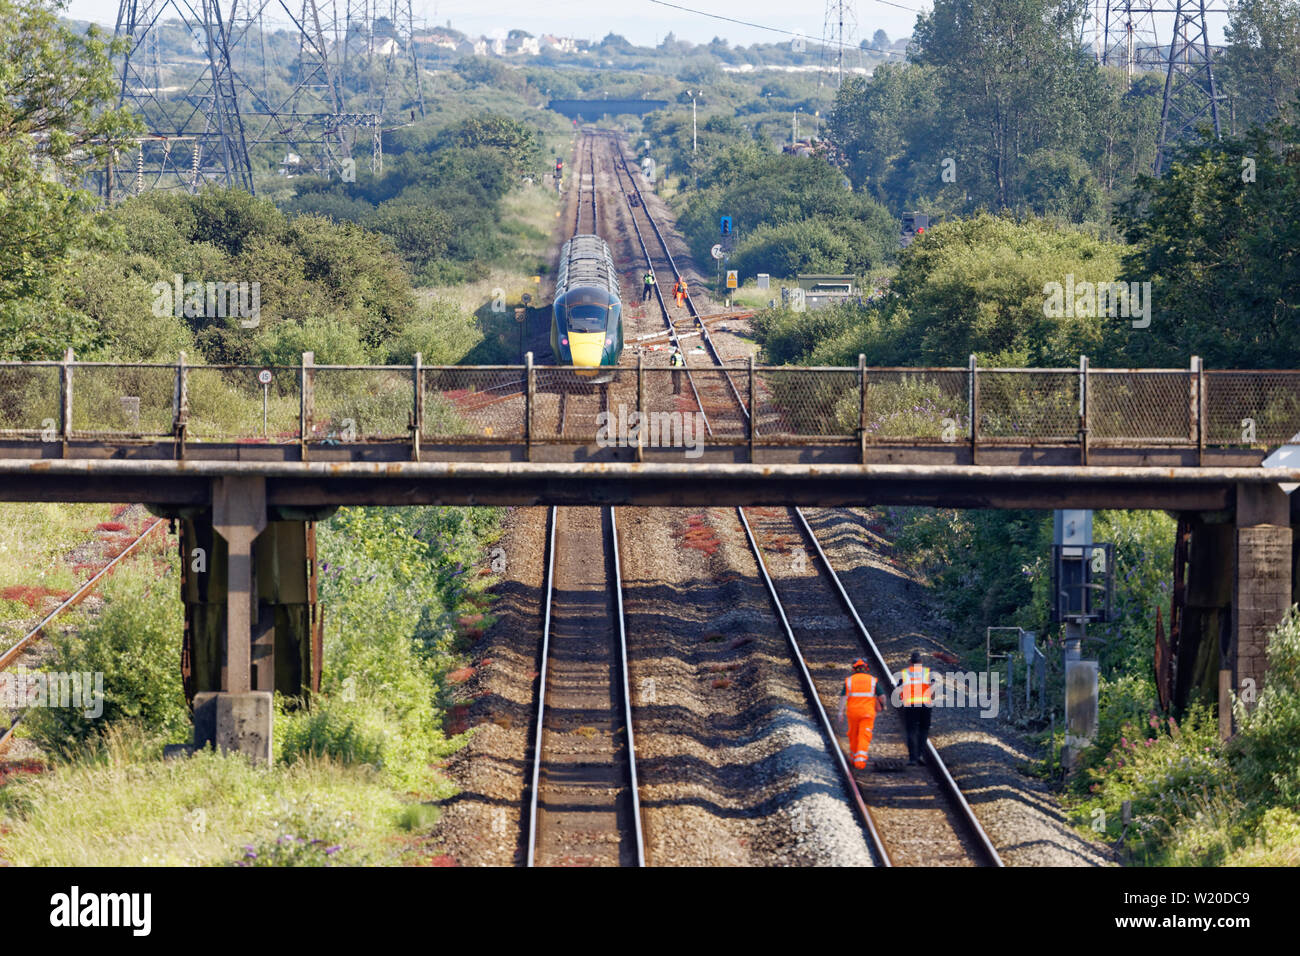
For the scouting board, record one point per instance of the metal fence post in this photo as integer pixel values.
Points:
(1083, 409)
(529, 394)
(417, 413)
(65, 401)
(180, 406)
(862, 408)
(306, 402)
(1197, 381)
(753, 412)
(973, 399)
(640, 404)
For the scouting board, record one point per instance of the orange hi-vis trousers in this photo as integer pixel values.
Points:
(861, 726)
(861, 712)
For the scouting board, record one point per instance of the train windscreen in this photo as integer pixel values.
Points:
(587, 318)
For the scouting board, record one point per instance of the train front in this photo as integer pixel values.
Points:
(588, 330)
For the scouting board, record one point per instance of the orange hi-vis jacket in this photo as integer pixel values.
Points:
(916, 686)
(860, 691)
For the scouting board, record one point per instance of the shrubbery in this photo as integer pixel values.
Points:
(134, 641)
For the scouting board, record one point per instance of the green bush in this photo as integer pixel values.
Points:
(1269, 759)
(134, 641)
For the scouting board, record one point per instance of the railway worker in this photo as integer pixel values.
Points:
(917, 699)
(678, 361)
(647, 285)
(679, 290)
(860, 700)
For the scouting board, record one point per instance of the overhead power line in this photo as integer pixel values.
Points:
(789, 33)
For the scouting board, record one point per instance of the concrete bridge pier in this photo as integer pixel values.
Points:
(252, 623)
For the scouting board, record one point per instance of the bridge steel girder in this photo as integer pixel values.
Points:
(317, 484)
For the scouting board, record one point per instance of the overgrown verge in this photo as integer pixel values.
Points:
(355, 775)
(1193, 799)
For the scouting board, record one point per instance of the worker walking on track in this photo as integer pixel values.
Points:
(678, 361)
(860, 700)
(648, 285)
(679, 290)
(917, 699)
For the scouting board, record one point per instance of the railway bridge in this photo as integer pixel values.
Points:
(245, 459)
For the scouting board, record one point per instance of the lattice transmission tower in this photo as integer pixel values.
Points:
(1128, 34)
(260, 80)
(839, 27)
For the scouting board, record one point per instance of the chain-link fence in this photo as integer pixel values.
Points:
(1127, 407)
(29, 400)
(229, 403)
(504, 404)
(1027, 406)
(462, 402)
(1251, 409)
(907, 405)
(123, 401)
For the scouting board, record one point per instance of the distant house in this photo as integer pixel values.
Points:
(440, 40)
(558, 44)
(525, 46)
(480, 47)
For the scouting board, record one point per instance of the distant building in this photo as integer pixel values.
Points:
(558, 44)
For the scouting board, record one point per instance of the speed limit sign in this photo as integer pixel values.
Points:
(264, 376)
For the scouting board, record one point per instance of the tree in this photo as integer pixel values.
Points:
(880, 40)
(1012, 80)
(1261, 66)
(54, 124)
(1224, 266)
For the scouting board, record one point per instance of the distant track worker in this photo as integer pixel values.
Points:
(917, 702)
(860, 701)
(679, 290)
(647, 285)
(678, 362)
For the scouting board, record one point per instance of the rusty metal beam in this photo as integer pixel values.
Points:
(318, 483)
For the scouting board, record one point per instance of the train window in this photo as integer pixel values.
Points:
(587, 318)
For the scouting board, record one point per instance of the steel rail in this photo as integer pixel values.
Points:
(690, 304)
(541, 690)
(624, 667)
(77, 597)
(955, 797)
(535, 785)
(619, 173)
(810, 688)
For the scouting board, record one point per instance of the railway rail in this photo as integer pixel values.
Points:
(952, 831)
(921, 815)
(14, 651)
(584, 807)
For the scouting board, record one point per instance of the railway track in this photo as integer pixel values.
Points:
(15, 650)
(923, 816)
(920, 814)
(713, 388)
(584, 807)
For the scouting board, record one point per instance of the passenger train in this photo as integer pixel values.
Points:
(587, 316)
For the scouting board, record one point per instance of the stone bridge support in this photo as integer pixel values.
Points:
(1242, 576)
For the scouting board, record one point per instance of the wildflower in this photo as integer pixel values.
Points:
(330, 851)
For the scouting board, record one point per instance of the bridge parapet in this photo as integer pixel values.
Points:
(971, 415)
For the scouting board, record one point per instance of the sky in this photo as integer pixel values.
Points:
(641, 21)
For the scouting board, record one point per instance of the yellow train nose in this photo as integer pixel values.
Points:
(586, 347)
